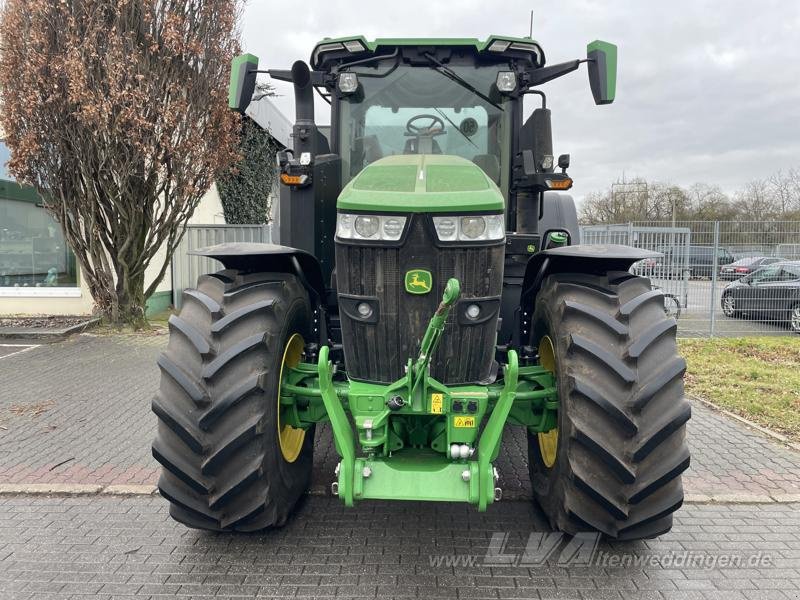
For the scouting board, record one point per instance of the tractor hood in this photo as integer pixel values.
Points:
(421, 183)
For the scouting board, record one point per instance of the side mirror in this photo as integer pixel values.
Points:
(243, 82)
(602, 57)
(542, 131)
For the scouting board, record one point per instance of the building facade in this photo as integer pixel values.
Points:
(38, 272)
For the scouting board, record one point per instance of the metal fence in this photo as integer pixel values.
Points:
(723, 278)
(186, 268)
(708, 270)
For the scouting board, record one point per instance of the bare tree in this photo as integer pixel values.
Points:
(708, 203)
(785, 187)
(115, 111)
(756, 201)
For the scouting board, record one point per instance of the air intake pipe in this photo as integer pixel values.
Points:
(305, 130)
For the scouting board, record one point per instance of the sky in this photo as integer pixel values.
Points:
(707, 91)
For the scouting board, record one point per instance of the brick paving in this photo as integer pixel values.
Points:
(79, 412)
(69, 548)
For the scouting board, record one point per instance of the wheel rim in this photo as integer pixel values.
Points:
(290, 438)
(728, 305)
(796, 319)
(548, 442)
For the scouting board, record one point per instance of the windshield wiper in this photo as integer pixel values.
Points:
(457, 128)
(453, 76)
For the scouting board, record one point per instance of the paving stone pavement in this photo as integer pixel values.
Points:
(79, 412)
(69, 548)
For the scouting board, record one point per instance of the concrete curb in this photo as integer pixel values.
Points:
(76, 489)
(47, 335)
(760, 428)
(743, 498)
(89, 489)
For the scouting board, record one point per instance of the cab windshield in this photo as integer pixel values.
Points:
(400, 109)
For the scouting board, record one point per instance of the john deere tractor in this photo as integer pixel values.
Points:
(429, 290)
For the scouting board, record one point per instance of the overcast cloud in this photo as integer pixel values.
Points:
(707, 91)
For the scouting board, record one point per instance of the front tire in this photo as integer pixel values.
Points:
(218, 440)
(620, 449)
(728, 303)
(794, 318)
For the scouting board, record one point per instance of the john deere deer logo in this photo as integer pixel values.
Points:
(418, 281)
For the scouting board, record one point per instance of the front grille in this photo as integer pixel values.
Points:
(379, 351)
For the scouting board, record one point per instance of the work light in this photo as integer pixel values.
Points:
(506, 81)
(347, 82)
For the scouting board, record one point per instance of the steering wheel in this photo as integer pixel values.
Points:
(434, 128)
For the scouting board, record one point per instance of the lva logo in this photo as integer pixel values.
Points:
(543, 546)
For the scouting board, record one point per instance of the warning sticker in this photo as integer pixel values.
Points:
(464, 422)
(437, 401)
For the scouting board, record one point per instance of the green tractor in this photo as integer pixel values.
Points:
(430, 290)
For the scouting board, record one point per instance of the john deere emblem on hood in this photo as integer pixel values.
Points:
(418, 281)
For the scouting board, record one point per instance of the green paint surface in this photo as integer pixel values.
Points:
(435, 183)
(239, 67)
(11, 190)
(158, 303)
(455, 178)
(610, 50)
(392, 178)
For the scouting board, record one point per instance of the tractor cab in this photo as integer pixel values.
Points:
(452, 97)
(427, 97)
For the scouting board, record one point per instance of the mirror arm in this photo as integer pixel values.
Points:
(545, 74)
(538, 93)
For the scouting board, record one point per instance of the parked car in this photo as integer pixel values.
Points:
(745, 266)
(698, 260)
(771, 293)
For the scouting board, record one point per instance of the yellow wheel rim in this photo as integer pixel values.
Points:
(290, 438)
(548, 442)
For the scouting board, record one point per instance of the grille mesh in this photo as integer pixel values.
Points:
(379, 351)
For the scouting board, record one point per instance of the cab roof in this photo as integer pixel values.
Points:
(358, 46)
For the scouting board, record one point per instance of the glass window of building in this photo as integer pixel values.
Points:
(33, 252)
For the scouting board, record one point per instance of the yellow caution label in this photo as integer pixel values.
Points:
(464, 422)
(437, 401)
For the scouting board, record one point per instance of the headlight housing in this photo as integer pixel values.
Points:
(387, 228)
(470, 228)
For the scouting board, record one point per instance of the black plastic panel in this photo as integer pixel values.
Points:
(379, 351)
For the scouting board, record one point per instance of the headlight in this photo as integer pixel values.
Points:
(370, 227)
(367, 226)
(470, 228)
(446, 227)
(473, 227)
(393, 227)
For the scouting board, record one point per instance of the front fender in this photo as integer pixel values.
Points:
(581, 258)
(253, 256)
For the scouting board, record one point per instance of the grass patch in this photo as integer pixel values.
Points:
(757, 378)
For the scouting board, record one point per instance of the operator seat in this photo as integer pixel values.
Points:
(490, 165)
(411, 146)
(370, 147)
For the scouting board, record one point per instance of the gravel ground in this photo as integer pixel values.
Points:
(52, 322)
